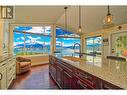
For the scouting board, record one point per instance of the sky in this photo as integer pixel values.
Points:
(33, 39)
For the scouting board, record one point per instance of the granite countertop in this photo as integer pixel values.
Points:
(5, 58)
(112, 71)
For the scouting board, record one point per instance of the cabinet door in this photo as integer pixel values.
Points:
(59, 76)
(67, 80)
(107, 85)
(3, 79)
(53, 71)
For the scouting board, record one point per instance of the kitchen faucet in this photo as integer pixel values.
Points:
(80, 55)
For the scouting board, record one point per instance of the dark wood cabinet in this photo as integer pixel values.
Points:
(52, 71)
(81, 85)
(67, 80)
(84, 85)
(59, 76)
(107, 85)
(87, 79)
(70, 77)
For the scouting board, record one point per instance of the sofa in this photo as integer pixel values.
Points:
(22, 65)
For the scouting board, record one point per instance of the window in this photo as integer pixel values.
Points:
(89, 45)
(32, 40)
(119, 44)
(65, 42)
(19, 43)
(94, 45)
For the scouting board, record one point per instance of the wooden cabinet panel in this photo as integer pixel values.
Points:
(67, 80)
(107, 85)
(53, 72)
(11, 72)
(59, 76)
(7, 72)
(3, 84)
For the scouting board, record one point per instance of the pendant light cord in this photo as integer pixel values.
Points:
(108, 11)
(79, 16)
(65, 18)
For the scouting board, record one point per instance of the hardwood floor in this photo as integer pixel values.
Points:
(37, 78)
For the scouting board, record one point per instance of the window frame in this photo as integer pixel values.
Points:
(93, 43)
(24, 33)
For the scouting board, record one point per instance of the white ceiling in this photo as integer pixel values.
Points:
(37, 14)
(92, 16)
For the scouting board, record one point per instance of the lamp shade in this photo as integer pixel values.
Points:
(79, 29)
(108, 19)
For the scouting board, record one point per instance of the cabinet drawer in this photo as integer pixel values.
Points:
(84, 85)
(9, 80)
(11, 69)
(11, 60)
(66, 67)
(3, 64)
(88, 78)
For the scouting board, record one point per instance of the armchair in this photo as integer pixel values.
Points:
(22, 65)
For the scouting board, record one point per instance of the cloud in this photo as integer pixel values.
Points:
(17, 43)
(47, 31)
(46, 43)
(33, 38)
(29, 42)
(68, 38)
(36, 30)
(48, 27)
(89, 41)
(70, 44)
(17, 39)
(58, 42)
(21, 38)
(40, 30)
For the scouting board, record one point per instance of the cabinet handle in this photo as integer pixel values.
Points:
(14, 65)
(83, 85)
(10, 69)
(3, 64)
(1, 76)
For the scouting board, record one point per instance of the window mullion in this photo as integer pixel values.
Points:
(24, 43)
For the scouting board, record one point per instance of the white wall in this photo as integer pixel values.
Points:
(106, 33)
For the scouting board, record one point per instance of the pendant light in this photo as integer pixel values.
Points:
(79, 31)
(65, 8)
(79, 27)
(109, 17)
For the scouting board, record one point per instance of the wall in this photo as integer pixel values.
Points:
(37, 60)
(105, 33)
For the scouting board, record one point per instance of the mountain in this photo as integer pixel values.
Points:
(36, 45)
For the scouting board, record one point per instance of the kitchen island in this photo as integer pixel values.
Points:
(90, 73)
